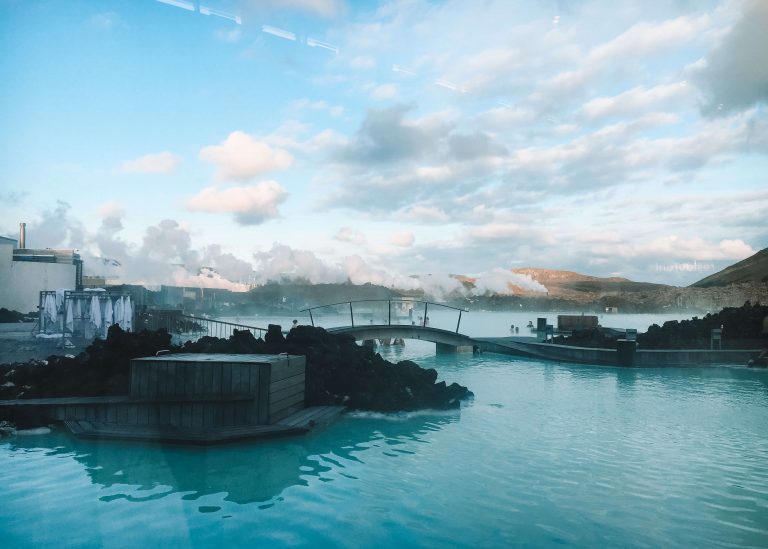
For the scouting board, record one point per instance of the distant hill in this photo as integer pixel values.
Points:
(752, 269)
(568, 284)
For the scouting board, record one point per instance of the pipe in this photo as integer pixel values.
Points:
(22, 235)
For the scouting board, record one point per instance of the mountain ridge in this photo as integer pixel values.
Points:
(753, 269)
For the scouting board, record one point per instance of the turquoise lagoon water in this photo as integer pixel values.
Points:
(546, 455)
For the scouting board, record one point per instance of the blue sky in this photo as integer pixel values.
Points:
(372, 141)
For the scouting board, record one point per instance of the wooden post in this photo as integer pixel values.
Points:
(459, 322)
(312, 320)
(351, 314)
(389, 311)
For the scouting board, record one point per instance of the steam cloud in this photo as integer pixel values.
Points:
(502, 281)
(166, 256)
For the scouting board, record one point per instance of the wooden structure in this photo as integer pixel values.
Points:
(576, 322)
(219, 389)
(195, 398)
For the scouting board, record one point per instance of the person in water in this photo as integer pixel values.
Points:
(295, 323)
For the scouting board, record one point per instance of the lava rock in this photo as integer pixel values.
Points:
(339, 372)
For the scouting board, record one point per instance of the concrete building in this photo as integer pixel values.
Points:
(25, 272)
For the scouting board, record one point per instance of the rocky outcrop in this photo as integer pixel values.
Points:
(101, 370)
(338, 370)
(341, 372)
(742, 328)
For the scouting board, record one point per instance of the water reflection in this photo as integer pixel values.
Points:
(253, 472)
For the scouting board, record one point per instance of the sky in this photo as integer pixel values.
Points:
(374, 141)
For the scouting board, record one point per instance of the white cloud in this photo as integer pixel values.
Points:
(231, 36)
(164, 162)
(324, 8)
(637, 100)
(671, 248)
(481, 72)
(251, 205)
(674, 247)
(404, 239)
(735, 74)
(425, 214)
(319, 105)
(618, 54)
(241, 157)
(348, 234)
(281, 262)
(498, 231)
(359, 272)
(362, 62)
(648, 38)
(384, 91)
(111, 209)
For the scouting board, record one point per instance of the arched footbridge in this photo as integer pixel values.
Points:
(393, 319)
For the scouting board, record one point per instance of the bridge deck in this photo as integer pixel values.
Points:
(406, 331)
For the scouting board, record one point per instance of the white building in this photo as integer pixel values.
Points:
(25, 272)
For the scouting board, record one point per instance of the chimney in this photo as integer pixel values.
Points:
(22, 235)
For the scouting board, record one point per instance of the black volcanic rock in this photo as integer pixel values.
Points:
(274, 335)
(338, 370)
(101, 370)
(341, 372)
(742, 329)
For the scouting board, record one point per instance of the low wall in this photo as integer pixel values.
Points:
(686, 357)
(610, 357)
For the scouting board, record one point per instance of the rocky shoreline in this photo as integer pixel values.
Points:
(742, 328)
(338, 370)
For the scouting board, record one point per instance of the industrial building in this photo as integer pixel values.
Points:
(25, 272)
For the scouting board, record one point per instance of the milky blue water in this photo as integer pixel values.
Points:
(546, 455)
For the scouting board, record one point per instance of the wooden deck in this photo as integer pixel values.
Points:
(298, 423)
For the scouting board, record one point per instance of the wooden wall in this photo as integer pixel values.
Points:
(286, 389)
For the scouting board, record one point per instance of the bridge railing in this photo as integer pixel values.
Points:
(386, 312)
(191, 328)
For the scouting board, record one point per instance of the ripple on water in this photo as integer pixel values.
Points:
(545, 454)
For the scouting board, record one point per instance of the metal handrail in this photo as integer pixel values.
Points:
(200, 325)
(389, 306)
(225, 323)
(220, 328)
(402, 300)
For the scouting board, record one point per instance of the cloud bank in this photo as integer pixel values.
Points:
(251, 205)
